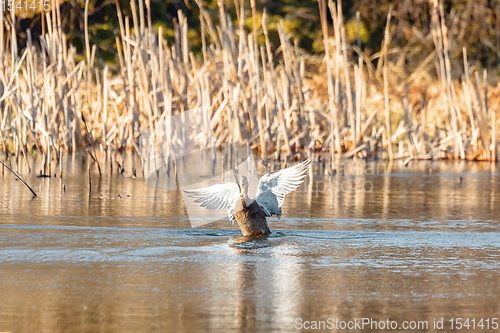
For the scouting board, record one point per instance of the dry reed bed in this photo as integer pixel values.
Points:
(248, 92)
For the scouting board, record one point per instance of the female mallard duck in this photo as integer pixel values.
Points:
(250, 214)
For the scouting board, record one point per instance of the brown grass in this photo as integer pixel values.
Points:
(279, 102)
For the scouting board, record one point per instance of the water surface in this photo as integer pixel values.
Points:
(419, 244)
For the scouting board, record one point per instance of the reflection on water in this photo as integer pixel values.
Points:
(423, 243)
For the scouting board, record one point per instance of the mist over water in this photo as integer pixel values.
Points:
(417, 244)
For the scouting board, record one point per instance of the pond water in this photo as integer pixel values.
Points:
(412, 246)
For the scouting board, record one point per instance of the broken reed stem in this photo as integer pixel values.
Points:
(90, 181)
(19, 177)
(91, 142)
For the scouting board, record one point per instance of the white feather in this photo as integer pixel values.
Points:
(274, 186)
(270, 195)
(218, 196)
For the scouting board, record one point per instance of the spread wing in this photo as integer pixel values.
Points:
(274, 186)
(217, 196)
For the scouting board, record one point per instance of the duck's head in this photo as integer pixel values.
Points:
(243, 182)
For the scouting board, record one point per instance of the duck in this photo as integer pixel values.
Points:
(251, 214)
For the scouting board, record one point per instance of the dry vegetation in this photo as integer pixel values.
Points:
(282, 102)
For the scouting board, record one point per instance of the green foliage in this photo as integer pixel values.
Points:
(351, 28)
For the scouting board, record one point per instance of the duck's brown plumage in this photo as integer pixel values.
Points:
(251, 214)
(251, 218)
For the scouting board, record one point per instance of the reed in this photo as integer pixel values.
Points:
(275, 101)
(18, 176)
